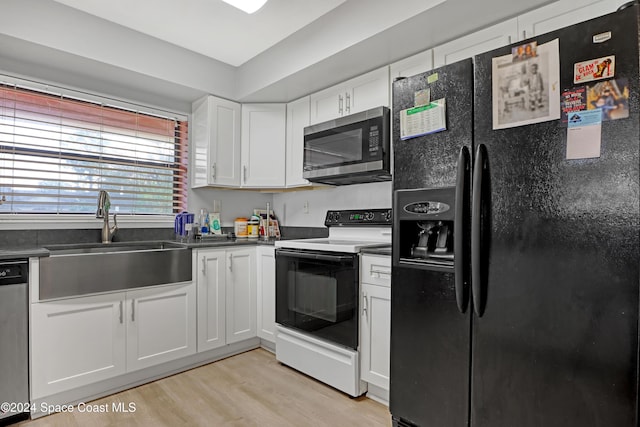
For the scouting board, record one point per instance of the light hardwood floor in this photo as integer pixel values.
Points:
(250, 389)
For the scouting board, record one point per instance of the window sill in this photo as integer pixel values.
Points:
(70, 221)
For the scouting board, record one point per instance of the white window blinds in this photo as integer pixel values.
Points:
(58, 151)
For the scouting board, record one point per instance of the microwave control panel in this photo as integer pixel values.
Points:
(374, 140)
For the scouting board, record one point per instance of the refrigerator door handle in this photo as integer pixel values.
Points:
(460, 236)
(476, 231)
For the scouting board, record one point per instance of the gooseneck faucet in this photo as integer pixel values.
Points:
(104, 203)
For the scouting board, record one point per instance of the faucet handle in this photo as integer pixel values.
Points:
(113, 229)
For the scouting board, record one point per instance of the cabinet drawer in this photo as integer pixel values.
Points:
(376, 270)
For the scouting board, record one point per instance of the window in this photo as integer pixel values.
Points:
(58, 151)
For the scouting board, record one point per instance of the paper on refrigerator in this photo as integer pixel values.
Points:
(423, 120)
(526, 91)
(584, 134)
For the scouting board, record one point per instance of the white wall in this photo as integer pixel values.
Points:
(234, 203)
(289, 207)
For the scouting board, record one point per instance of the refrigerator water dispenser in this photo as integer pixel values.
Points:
(424, 220)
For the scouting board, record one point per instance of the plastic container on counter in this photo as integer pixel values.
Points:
(240, 227)
(253, 227)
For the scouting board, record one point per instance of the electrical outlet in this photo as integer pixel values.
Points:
(305, 207)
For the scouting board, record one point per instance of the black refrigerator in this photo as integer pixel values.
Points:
(516, 240)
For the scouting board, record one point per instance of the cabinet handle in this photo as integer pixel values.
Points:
(379, 272)
(347, 102)
(213, 171)
(364, 305)
(121, 313)
(244, 172)
(231, 263)
(133, 310)
(340, 104)
(524, 34)
(204, 265)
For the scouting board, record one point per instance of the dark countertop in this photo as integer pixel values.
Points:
(217, 242)
(22, 252)
(379, 250)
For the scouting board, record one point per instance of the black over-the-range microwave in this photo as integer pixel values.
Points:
(349, 150)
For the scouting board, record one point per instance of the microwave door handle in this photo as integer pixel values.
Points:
(316, 256)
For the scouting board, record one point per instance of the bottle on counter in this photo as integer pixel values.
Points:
(204, 222)
(215, 223)
(253, 227)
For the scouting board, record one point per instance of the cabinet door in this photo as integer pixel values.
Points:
(327, 104)
(561, 14)
(76, 342)
(375, 334)
(370, 90)
(481, 41)
(263, 145)
(161, 325)
(241, 294)
(211, 299)
(201, 169)
(224, 129)
(411, 66)
(297, 119)
(266, 293)
(215, 136)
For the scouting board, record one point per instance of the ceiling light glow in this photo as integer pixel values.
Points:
(248, 6)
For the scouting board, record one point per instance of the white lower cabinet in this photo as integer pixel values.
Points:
(241, 294)
(76, 342)
(211, 299)
(80, 341)
(226, 296)
(375, 320)
(267, 293)
(161, 325)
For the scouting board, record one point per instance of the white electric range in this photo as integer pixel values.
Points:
(317, 297)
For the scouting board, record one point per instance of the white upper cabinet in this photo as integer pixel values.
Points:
(412, 65)
(481, 41)
(563, 13)
(263, 145)
(297, 120)
(215, 136)
(361, 93)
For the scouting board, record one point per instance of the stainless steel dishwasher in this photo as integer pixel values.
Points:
(14, 340)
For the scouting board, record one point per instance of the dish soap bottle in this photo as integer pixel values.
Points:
(204, 222)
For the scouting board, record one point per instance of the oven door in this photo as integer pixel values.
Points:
(317, 292)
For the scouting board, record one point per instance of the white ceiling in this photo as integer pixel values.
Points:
(210, 27)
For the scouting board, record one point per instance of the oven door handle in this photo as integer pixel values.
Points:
(315, 255)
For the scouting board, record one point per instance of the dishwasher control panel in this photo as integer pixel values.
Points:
(13, 272)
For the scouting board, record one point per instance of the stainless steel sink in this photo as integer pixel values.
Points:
(81, 269)
(97, 248)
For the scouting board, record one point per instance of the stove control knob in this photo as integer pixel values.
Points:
(369, 216)
(387, 215)
(336, 216)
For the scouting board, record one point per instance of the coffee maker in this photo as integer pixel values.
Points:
(424, 221)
